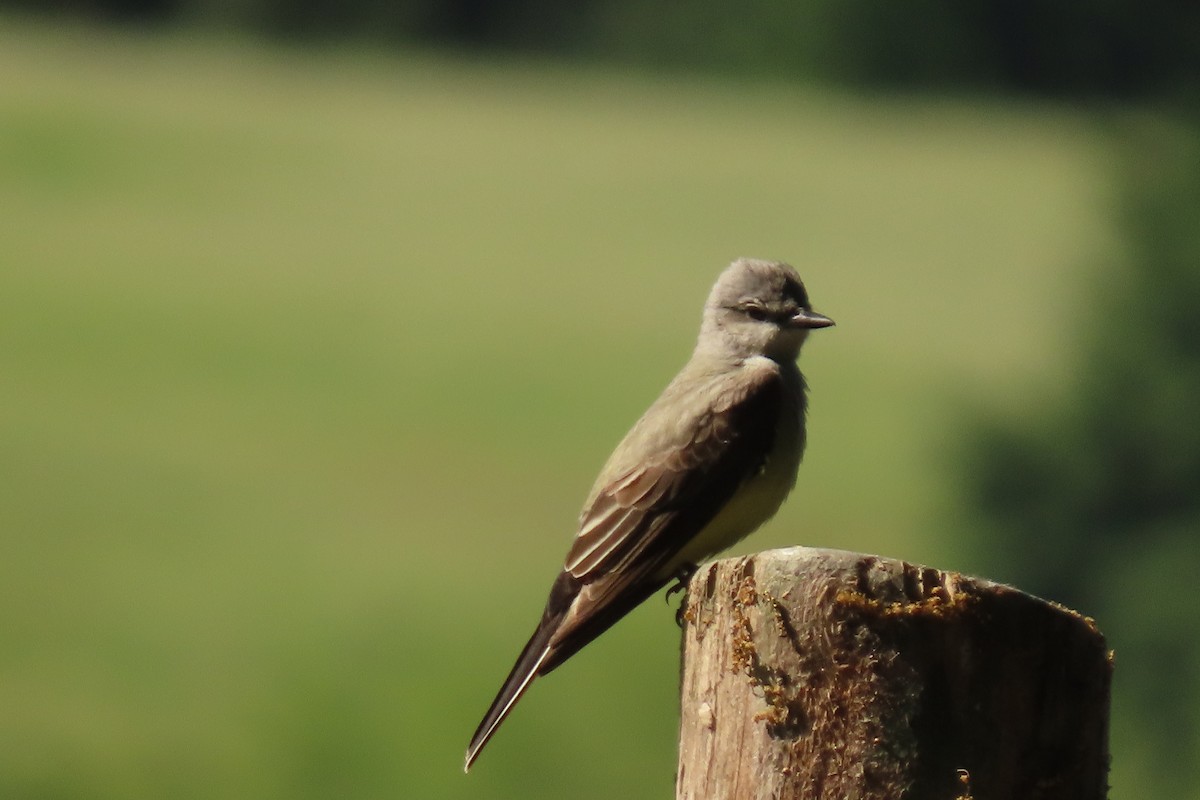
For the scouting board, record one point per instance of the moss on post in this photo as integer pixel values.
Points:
(822, 674)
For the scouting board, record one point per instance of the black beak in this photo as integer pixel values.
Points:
(808, 319)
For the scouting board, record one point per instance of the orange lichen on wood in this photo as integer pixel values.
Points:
(822, 674)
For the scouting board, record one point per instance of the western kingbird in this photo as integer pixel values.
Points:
(711, 460)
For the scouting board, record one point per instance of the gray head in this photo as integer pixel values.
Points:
(758, 308)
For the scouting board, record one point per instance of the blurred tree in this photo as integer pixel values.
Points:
(139, 11)
(1097, 504)
(1109, 47)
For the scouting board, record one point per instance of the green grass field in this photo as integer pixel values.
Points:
(309, 359)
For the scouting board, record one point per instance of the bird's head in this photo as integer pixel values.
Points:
(759, 308)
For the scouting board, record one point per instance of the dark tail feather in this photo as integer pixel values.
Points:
(607, 615)
(536, 651)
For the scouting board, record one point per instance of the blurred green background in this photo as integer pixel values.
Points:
(311, 347)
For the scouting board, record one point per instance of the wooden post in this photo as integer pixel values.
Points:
(826, 675)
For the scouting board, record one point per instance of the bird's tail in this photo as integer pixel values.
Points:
(536, 651)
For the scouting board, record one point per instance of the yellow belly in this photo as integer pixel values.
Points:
(755, 502)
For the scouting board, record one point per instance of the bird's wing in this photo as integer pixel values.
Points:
(637, 521)
(647, 513)
(663, 501)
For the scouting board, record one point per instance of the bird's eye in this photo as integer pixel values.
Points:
(755, 311)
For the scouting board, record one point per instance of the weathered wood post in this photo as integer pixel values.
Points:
(827, 675)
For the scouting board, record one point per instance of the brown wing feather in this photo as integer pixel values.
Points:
(728, 443)
(637, 522)
(644, 516)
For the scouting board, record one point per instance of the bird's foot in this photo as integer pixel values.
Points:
(682, 576)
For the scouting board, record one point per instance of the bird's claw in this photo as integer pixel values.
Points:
(682, 577)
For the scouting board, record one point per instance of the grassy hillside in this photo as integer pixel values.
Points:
(309, 359)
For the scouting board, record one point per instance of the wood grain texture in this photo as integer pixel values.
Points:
(828, 675)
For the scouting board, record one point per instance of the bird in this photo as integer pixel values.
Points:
(711, 460)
